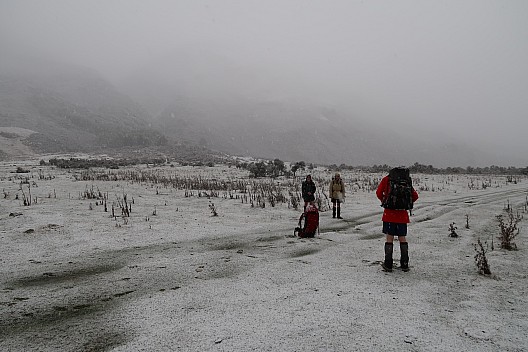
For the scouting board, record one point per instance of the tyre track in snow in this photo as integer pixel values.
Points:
(432, 210)
(450, 285)
(56, 297)
(429, 210)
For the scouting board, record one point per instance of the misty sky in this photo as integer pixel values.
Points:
(459, 66)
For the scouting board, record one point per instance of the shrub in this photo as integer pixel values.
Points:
(452, 230)
(294, 200)
(480, 258)
(213, 209)
(20, 170)
(508, 229)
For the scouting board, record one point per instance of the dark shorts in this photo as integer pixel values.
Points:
(309, 198)
(394, 229)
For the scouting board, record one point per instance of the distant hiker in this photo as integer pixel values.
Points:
(308, 191)
(337, 194)
(397, 196)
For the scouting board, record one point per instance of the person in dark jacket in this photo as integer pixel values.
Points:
(394, 224)
(337, 194)
(308, 191)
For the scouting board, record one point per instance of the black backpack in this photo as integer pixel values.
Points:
(400, 190)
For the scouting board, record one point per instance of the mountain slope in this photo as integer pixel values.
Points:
(74, 109)
(313, 134)
(70, 109)
(212, 101)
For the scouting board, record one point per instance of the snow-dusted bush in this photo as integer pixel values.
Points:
(480, 258)
(508, 229)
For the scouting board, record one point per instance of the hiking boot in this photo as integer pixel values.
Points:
(386, 267)
(404, 261)
(339, 213)
(387, 263)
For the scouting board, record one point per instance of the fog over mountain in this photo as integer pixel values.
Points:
(245, 112)
(355, 82)
(69, 108)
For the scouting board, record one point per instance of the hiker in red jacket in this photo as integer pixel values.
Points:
(394, 224)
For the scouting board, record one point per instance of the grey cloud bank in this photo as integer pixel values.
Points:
(450, 68)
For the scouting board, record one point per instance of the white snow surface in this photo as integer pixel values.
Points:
(173, 277)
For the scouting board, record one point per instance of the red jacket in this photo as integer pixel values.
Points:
(391, 215)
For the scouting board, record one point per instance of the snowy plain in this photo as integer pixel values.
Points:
(174, 277)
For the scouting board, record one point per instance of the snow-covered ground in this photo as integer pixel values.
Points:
(173, 277)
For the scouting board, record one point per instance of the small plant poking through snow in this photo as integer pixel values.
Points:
(508, 229)
(213, 209)
(26, 198)
(467, 221)
(294, 200)
(452, 229)
(480, 258)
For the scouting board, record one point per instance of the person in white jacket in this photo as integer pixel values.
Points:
(337, 194)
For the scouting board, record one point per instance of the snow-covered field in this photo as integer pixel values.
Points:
(173, 277)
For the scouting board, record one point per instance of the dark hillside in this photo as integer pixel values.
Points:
(71, 110)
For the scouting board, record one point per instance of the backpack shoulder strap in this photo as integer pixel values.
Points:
(300, 219)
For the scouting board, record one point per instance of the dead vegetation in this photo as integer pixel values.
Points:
(508, 228)
(480, 258)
